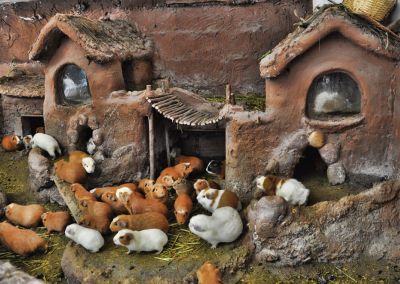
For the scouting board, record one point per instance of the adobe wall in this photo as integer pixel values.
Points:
(198, 44)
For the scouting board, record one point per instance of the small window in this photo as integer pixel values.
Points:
(333, 95)
(73, 87)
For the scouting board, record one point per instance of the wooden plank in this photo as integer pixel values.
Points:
(69, 197)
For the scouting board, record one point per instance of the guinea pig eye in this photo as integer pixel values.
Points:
(154, 190)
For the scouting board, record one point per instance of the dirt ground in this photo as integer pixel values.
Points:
(183, 254)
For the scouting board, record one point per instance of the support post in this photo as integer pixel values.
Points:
(166, 131)
(151, 145)
(229, 96)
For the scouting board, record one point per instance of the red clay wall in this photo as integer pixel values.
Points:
(198, 45)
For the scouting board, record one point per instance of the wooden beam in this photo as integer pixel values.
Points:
(152, 160)
(166, 131)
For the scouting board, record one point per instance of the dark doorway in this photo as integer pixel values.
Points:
(310, 164)
(30, 124)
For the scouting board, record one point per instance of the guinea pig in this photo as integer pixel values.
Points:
(208, 273)
(21, 241)
(27, 141)
(178, 171)
(223, 226)
(145, 185)
(158, 192)
(136, 204)
(183, 206)
(145, 240)
(82, 158)
(98, 191)
(81, 193)
(40, 130)
(11, 143)
(182, 185)
(196, 163)
(291, 190)
(167, 181)
(216, 168)
(201, 184)
(138, 222)
(25, 215)
(111, 199)
(56, 221)
(97, 215)
(212, 199)
(70, 172)
(90, 239)
(46, 143)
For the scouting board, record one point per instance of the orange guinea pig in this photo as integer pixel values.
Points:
(11, 143)
(72, 172)
(25, 215)
(117, 206)
(179, 171)
(145, 185)
(98, 191)
(158, 192)
(183, 206)
(138, 222)
(196, 163)
(56, 221)
(81, 193)
(97, 215)
(21, 241)
(208, 273)
(182, 185)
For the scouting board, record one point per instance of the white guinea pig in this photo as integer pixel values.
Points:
(88, 164)
(90, 239)
(212, 199)
(223, 226)
(145, 240)
(46, 143)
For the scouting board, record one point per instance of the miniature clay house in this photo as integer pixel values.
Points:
(85, 62)
(338, 74)
(21, 103)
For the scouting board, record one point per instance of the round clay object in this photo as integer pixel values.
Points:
(316, 139)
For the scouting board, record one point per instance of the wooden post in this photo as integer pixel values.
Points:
(229, 97)
(69, 197)
(166, 131)
(151, 145)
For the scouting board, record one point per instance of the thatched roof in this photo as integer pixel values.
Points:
(185, 108)
(24, 86)
(365, 33)
(102, 40)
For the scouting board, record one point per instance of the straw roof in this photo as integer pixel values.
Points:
(23, 86)
(363, 32)
(102, 40)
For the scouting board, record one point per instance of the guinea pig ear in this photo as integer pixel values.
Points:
(83, 203)
(122, 224)
(129, 236)
(187, 165)
(210, 195)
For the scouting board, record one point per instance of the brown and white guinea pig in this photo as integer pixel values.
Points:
(167, 181)
(201, 184)
(216, 168)
(182, 185)
(136, 204)
(27, 141)
(40, 130)
(178, 171)
(25, 215)
(11, 143)
(117, 206)
(208, 273)
(196, 163)
(81, 192)
(138, 222)
(98, 191)
(212, 199)
(183, 207)
(70, 172)
(56, 221)
(97, 215)
(84, 159)
(21, 241)
(158, 192)
(146, 184)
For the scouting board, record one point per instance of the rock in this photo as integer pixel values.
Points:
(330, 153)
(11, 275)
(51, 195)
(355, 227)
(3, 203)
(39, 170)
(336, 174)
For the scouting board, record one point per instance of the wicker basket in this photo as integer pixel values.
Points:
(375, 9)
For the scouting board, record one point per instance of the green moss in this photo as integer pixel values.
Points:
(251, 102)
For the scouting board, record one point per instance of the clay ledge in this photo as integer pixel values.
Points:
(335, 125)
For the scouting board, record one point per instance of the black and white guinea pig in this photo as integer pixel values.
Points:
(216, 168)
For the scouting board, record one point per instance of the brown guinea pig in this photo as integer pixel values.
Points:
(71, 172)
(183, 207)
(11, 143)
(182, 185)
(21, 241)
(117, 206)
(25, 215)
(138, 222)
(179, 171)
(56, 221)
(145, 185)
(196, 163)
(158, 192)
(201, 184)
(81, 193)
(208, 273)
(97, 215)
(40, 130)
(98, 191)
